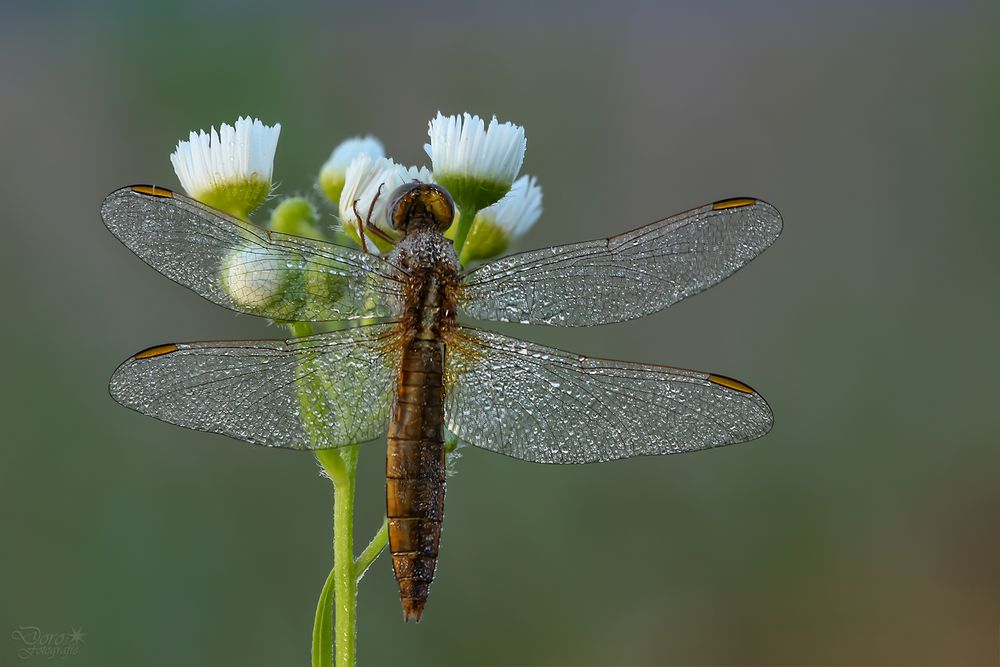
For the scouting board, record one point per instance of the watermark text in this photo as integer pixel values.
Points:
(32, 641)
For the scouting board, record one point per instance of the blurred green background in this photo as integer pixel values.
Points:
(863, 529)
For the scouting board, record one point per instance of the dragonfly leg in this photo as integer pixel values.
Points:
(368, 219)
(361, 226)
(366, 226)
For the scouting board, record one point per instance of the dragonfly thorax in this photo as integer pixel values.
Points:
(431, 281)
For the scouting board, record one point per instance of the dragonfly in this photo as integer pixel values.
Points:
(403, 366)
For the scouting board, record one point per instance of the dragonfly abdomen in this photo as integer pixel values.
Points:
(415, 472)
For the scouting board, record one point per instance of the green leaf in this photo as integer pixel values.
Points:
(322, 638)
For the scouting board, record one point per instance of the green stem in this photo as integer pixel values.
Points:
(341, 465)
(372, 551)
(467, 215)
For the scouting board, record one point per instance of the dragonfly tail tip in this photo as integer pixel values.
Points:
(413, 609)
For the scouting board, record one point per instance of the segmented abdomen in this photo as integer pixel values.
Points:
(415, 472)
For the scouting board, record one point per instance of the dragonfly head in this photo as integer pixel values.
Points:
(418, 204)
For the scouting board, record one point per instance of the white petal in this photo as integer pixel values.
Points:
(208, 160)
(367, 176)
(464, 145)
(520, 208)
(348, 149)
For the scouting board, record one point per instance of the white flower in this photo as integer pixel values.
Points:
(518, 211)
(333, 172)
(229, 169)
(367, 177)
(476, 163)
(465, 146)
(496, 226)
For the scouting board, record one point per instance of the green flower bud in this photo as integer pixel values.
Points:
(296, 216)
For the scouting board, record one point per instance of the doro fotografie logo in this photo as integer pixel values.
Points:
(33, 641)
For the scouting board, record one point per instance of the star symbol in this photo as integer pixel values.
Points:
(76, 636)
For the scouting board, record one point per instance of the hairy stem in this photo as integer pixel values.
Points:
(341, 465)
(372, 551)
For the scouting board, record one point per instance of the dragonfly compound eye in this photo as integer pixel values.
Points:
(421, 203)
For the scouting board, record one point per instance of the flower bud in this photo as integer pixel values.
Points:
(496, 227)
(333, 173)
(296, 216)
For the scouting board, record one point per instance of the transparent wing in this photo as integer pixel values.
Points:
(247, 268)
(625, 276)
(540, 404)
(263, 391)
